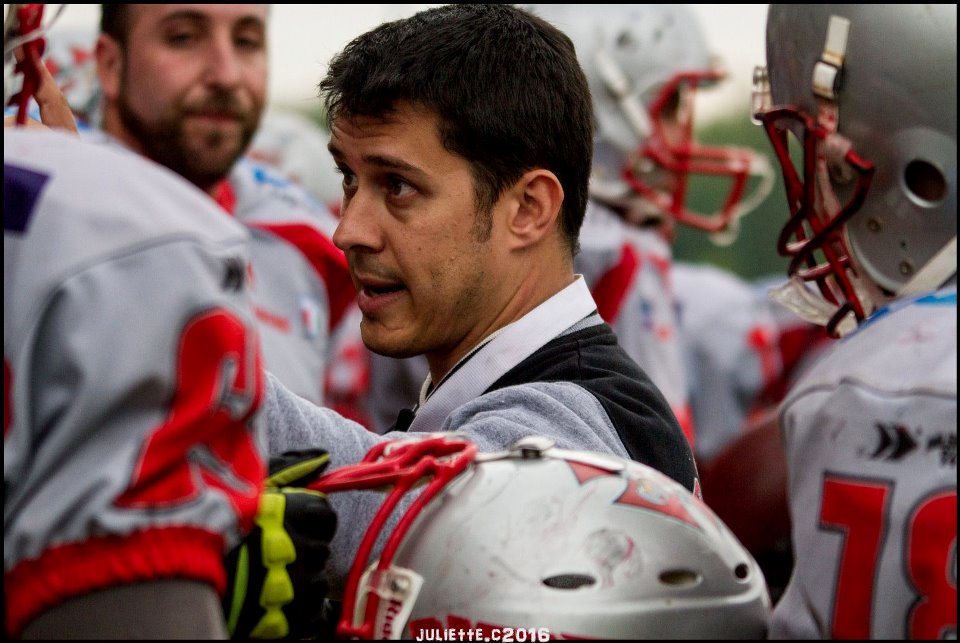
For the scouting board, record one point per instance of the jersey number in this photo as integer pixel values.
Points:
(206, 435)
(859, 510)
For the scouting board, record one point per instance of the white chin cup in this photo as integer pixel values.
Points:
(809, 305)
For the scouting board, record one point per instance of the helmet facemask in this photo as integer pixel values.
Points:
(813, 238)
(23, 30)
(661, 169)
(378, 599)
(830, 187)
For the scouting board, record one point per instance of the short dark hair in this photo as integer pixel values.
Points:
(114, 19)
(505, 84)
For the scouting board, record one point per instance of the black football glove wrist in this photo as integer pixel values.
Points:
(276, 578)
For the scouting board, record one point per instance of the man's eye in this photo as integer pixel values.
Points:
(249, 43)
(397, 186)
(349, 178)
(180, 38)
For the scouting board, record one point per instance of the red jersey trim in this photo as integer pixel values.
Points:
(611, 289)
(68, 571)
(226, 197)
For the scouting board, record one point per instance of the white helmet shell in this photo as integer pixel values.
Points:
(645, 64)
(297, 146)
(577, 544)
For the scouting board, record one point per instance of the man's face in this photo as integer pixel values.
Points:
(422, 258)
(192, 85)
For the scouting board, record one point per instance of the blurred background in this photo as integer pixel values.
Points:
(303, 38)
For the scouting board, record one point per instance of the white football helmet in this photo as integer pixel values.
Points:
(562, 543)
(867, 95)
(297, 146)
(644, 64)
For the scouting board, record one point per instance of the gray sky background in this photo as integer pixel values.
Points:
(304, 37)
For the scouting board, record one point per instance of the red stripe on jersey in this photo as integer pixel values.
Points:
(67, 571)
(279, 322)
(611, 289)
(225, 196)
(327, 259)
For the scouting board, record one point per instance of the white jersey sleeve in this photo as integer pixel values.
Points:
(132, 379)
(870, 433)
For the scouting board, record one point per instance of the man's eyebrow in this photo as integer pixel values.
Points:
(185, 14)
(245, 22)
(379, 160)
(200, 17)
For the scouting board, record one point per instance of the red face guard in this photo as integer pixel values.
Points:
(813, 237)
(29, 19)
(397, 466)
(682, 157)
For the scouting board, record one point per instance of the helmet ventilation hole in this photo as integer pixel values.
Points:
(569, 581)
(679, 577)
(741, 571)
(925, 181)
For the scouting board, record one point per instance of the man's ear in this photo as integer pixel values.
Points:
(539, 197)
(109, 65)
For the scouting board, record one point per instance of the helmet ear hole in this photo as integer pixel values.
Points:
(680, 577)
(741, 571)
(925, 181)
(569, 581)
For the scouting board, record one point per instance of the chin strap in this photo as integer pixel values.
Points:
(810, 306)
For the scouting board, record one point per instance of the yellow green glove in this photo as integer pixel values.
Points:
(276, 580)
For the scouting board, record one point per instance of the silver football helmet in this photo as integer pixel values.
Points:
(867, 95)
(644, 64)
(562, 543)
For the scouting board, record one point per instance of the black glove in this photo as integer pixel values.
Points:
(276, 581)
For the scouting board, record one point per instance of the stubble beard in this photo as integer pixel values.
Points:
(167, 143)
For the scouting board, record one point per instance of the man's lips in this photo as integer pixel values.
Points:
(375, 294)
(372, 302)
(217, 117)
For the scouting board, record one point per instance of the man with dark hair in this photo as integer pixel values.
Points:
(464, 135)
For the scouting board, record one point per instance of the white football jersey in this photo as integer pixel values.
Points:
(301, 286)
(729, 341)
(870, 432)
(628, 270)
(132, 375)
